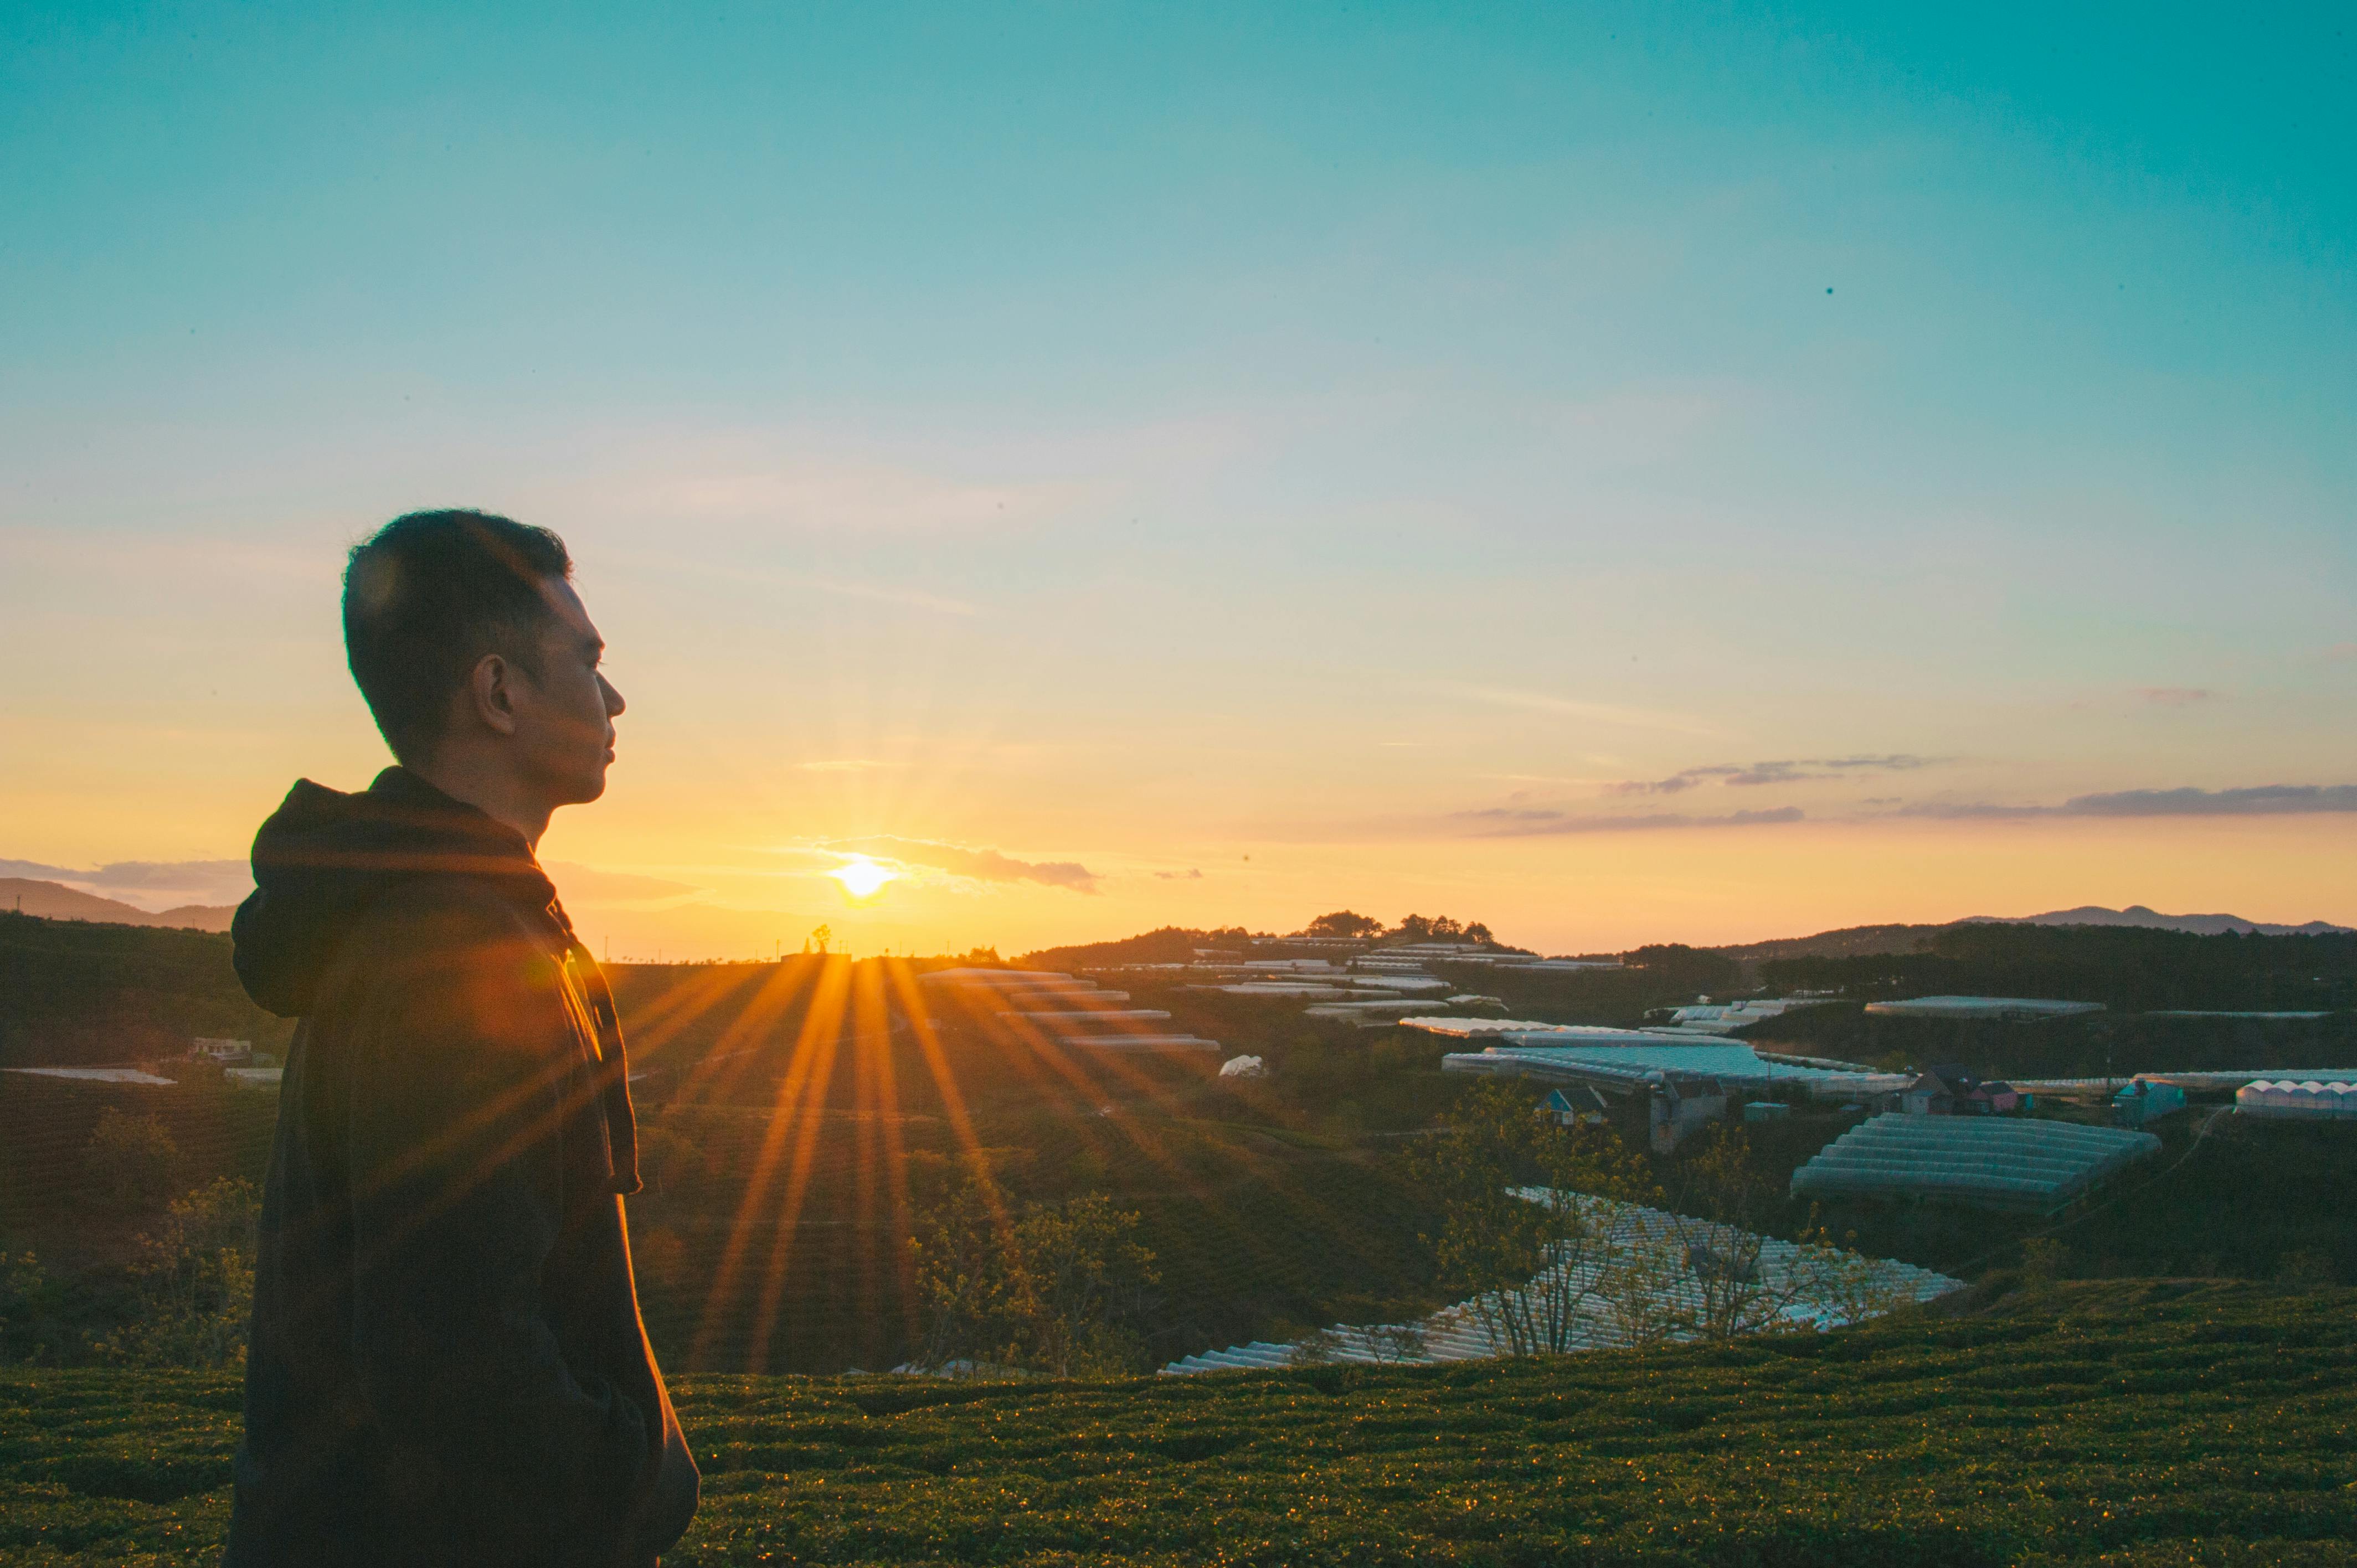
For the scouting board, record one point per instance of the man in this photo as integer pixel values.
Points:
(447, 1364)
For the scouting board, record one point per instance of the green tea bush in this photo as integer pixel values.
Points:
(2130, 1424)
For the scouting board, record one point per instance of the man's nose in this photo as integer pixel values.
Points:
(614, 703)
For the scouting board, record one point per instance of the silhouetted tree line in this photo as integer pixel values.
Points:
(2125, 968)
(1167, 944)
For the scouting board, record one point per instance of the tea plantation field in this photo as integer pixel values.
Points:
(2127, 1422)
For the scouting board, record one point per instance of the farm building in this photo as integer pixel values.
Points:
(2311, 1100)
(2144, 1100)
(1982, 1162)
(1998, 1009)
(1574, 1107)
(1952, 1092)
(1680, 1105)
(1792, 1274)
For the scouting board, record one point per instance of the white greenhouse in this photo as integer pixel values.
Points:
(1998, 1009)
(2309, 1100)
(1983, 1162)
(1642, 1270)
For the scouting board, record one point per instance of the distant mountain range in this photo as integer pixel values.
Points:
(56, 901)
(2138, 915)
(1858, 941)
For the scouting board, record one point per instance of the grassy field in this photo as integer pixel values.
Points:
(2128, 1422)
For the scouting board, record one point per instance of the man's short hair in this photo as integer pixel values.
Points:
(426, 597)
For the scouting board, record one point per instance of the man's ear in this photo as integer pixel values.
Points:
(491, 688)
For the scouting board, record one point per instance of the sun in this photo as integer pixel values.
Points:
(861, 877)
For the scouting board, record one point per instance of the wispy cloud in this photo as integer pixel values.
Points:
(1189, 875)
(2258, 800)
(2176, 696)
(1516, 823)
(1573, 708)
(978, 865)
(1788, 770)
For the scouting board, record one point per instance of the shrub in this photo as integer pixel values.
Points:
(25, 1297)
(195, 1283)
(1058, 1289)
(130, 1163)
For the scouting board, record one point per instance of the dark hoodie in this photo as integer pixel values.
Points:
(448, 1366)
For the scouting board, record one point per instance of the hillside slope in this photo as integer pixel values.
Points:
(56, 901)
(2130, 1423)
(74, 992)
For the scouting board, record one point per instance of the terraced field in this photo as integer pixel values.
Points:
(2133, 1423)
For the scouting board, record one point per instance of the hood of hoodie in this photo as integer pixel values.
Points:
(325, 856)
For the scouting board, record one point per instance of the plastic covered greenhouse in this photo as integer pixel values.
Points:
(1985, 1162)
(2305, 1100)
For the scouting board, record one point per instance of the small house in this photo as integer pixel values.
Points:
(1950, 1090)
(1575, 1107)
(1995, 1096)
(226, 1052)
(1679, 1105)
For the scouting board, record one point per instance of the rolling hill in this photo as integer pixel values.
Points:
(1869, 941)
(56, 901)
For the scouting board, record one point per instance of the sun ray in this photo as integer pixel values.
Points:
(819, 1022)
(786, 1234)
(953, 1106)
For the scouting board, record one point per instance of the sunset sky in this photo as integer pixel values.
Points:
(1622, 474)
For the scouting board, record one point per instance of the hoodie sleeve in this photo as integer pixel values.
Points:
(461, 1075)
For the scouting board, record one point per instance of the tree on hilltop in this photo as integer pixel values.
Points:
(1440, 928)
(1342, 923)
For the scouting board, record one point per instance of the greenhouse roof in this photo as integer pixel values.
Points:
(1569, 1034)
(2299, 1100)
(2010, 1009)
(1662, 1245)
(94, 1074)
(1985, 1161)
(1627, 1066)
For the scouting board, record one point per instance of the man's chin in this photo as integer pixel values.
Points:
(584, 789)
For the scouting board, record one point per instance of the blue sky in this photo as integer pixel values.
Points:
(1135, 435)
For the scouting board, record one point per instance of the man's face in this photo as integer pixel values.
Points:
(565, 715)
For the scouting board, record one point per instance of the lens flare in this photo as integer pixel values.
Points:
(861, 877)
